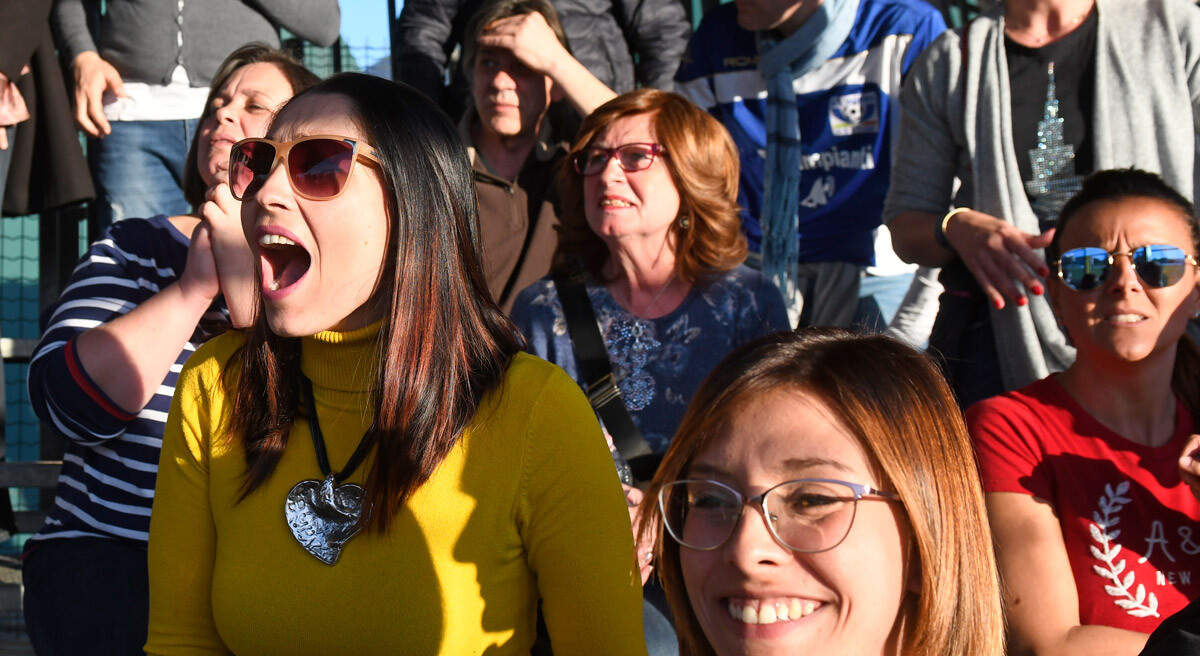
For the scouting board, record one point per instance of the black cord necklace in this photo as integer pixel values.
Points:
(323, 515)
(318, 438)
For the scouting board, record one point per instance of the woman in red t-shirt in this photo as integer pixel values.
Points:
(1097, 532)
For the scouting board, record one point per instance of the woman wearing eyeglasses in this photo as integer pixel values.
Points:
(374, 467)
(1093, 523)
(821, 497)
(650, 224)
(1001, 121)
(648, 278)
(141, 300)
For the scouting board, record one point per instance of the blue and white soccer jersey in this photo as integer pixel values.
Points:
(847, 122)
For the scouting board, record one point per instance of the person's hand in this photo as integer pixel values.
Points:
(221, 213)
(199, 280)
(645, 546)
(1189, 465)
(530, 40)
(4, 82)
(94, 76)
(1000, 256)
(12, 106)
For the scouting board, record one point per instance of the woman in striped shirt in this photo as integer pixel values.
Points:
(139, 302)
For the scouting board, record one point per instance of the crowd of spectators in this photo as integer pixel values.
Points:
(882, 327)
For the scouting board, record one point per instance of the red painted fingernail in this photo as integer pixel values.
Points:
(1043, 271)
(1037, 290)
(999, 304)
(1022, 301)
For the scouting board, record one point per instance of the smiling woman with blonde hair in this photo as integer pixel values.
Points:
(821, 497)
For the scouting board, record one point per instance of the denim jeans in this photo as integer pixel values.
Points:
(86, 596)
(138, 169)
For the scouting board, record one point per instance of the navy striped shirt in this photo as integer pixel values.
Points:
(106, 486)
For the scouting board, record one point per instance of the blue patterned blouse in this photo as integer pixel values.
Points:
(658, 363)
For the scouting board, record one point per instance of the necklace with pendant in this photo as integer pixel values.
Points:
(654, 301)
(323, 515)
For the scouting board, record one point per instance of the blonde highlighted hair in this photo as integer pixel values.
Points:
(703, 162)
(894, 400)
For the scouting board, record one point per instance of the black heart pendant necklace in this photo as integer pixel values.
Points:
(323, 515)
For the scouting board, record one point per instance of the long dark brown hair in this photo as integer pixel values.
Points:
(444, 342)
(894, 400)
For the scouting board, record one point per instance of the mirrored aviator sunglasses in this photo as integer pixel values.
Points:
(318, 167)
(1157, 265)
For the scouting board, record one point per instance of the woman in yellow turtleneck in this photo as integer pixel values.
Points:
(374, 467)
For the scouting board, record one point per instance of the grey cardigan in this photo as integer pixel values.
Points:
(956, 123)
(140, 38)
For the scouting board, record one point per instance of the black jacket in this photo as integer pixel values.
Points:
(48, 169)
(1178, 635)
(603, 35)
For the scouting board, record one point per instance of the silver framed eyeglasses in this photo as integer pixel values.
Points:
(808, 515)
(631, 157)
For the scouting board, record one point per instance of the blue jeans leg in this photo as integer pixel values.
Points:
(138, 169)
(878, 299)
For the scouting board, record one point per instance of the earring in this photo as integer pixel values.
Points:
(685, 222)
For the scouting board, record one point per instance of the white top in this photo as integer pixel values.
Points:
(157, 102)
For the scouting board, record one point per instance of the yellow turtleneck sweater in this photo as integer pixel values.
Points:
(527, 505)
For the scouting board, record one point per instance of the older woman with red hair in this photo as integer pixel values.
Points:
(650, 229)
(648, 291)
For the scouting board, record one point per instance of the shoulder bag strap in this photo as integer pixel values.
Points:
(596, 370)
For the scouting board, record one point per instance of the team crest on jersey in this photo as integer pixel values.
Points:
(854, 113)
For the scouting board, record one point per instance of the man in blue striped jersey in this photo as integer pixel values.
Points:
(806, 89)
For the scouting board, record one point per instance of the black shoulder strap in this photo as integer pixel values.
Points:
(596, 370)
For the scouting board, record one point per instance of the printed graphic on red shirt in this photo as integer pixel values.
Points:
(1103, 530)
(1129, 523)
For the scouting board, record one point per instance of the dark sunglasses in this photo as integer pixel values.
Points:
(318, 167)
(1157, 265)
(631, 157)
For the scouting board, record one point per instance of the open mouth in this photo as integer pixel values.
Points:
(284, 263)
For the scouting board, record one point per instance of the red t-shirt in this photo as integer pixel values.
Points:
(1130, 525)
